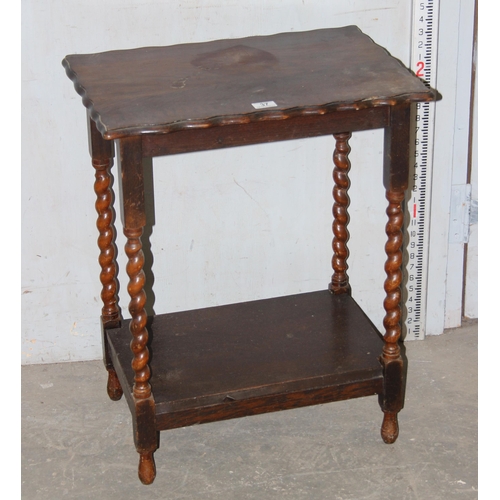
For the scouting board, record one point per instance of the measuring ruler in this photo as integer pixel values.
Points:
(423, 62)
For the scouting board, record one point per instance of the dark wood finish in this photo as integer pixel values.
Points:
(396, 173)
(244, 359)
(165, 89)
(340, 280)
(101, 152)
(134, 219)
(131, 183)
(295, 127)
(391, 399)
(145, 436)
(133, 249)
(255, 357)
(102, 161)
(397, 149)
(143, 408)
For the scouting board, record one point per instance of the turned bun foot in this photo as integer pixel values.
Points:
(115, 390)
(147, 468)
(390, 427)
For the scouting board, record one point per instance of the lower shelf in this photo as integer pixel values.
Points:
(254, 357)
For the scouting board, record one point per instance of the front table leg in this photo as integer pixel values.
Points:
(134, 220)
(396, 171)
(392, 401)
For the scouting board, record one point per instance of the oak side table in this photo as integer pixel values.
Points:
(265, 355)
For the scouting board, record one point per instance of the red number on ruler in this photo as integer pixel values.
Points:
(420, 69)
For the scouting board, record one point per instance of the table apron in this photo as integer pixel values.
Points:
(262, 131)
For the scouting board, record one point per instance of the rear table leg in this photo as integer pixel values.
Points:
(340, 281)
(101, 152)
(114, 388)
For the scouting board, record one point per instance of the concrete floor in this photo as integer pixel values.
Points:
(76, 443)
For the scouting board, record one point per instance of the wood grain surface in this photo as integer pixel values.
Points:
(199, 85)
(251, 357)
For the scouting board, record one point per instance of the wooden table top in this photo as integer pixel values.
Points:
(200, 85)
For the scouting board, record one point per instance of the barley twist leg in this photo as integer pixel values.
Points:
(110, 315)
(340, 280)
(392, 399)
(138, 345)
(144, 405)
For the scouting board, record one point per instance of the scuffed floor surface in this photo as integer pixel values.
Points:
(77, 443)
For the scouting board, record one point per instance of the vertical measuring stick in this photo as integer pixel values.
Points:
(423, 63)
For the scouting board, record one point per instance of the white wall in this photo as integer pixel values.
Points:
(231, 225)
